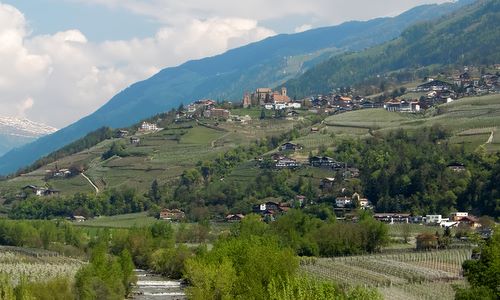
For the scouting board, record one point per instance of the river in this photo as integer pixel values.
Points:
(153, 287)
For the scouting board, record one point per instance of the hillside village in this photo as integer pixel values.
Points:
(425, 95)
(264, 104)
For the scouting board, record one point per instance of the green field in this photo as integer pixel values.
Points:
(120, 221)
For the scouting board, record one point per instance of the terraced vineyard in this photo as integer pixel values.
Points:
(18, 264)
(397, 276)
(470, 121)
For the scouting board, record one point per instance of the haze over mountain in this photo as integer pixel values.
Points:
(15, 132)
(267, 63)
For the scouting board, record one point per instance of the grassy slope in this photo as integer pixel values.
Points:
(470, 120)
(158, 156)
(120, 221)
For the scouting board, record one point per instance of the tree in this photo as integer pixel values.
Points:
(263, 114)
(154, 192)
(483, 274)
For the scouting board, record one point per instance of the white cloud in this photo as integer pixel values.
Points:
(24, 106)
(303, 28)
(59, 78)
(319, 12)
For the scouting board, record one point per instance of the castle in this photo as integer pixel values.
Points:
(263, 96)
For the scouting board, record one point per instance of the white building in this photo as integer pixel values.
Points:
(294, 105)
(145, 126)
(280, 106)
(433, 219)
(343, 201)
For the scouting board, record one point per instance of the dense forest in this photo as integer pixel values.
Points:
(408, 171)
(469, 37)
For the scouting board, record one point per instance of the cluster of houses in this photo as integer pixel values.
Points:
(172, 215)
(59, 173)
(471, 85)
(341, 102)
(205, 108)
(454, 220)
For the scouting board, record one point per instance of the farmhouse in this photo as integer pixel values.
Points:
(145, 126)
(342, 202)
(60, 173)
(172, 214)
(470, 221)
(395, 105)
(79, 219)
(122, 133)
(287, 163)
(324, 162)
(217, 113)
(38, 191)
(364, 203)
(234, 218)
(135, 140)
(290, 147)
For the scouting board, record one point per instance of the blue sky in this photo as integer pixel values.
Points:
(62, 59)
(97, 22)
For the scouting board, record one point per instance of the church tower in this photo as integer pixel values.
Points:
(283, 92)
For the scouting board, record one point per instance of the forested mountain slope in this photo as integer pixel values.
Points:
(469, 36)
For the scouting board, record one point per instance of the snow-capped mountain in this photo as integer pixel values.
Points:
(15, 132)
(24, 128)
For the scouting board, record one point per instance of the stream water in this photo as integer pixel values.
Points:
(153, 287)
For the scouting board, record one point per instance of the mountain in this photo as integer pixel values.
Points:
(15, 132)
(468, 37)
(266, 63)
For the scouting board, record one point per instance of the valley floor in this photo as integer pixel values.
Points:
(418, 275)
